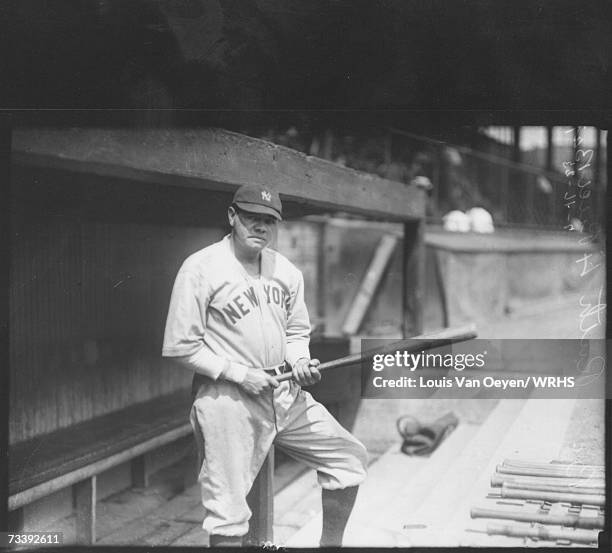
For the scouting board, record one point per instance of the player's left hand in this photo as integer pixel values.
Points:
(306, 372)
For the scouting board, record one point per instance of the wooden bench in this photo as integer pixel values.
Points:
(74, 456)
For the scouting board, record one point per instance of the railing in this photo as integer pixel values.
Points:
(516, 194)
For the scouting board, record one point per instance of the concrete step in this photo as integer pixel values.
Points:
(419, 507)
(538, 433)
(387, 479)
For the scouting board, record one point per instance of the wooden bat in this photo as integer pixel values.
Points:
(598, 500)
(553, 488)
(564, 471)
(551, 466)
(438, 338)
(497, 480)
(543, 533)
(575, 521)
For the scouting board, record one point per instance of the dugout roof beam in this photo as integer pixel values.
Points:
(219, 161)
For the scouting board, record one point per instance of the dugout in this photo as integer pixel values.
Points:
(101, 220)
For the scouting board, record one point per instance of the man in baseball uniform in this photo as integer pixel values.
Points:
(237, 318)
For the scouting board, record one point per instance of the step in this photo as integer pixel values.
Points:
(392, 471)
(419, 506)
(537, 432)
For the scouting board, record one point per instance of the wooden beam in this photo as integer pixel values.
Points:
(85, 507)
(413, 278)
(261, 503)
(369, 284)
(216, 159)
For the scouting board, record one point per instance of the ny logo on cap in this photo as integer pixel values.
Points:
(266, 196)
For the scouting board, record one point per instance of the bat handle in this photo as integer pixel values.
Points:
(284, 376)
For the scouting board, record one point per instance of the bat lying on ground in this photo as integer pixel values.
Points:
(436, 339)
(598, 485)
(557, 471)
(574, 521)
(553, 488)
(599, 500)
(543, 533)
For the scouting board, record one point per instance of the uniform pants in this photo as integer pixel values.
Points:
(234, 431)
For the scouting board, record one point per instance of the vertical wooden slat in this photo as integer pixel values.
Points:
(62, 303)
(261, 503)
(413, 278)
(85, 506)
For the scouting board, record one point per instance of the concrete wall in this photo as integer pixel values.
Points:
(463, 284)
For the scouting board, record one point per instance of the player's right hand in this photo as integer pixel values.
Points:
(257, 381)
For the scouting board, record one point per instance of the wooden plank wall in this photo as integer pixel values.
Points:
(88, 301)
(299, 242)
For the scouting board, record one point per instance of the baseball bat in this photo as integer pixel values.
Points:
(542, 533)
(525, 481)
(553, 488)
(435, 339)
(552, 465)
(554, 497)
(575, 521)
(569, 471)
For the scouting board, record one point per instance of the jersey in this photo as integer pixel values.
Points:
(258, 322)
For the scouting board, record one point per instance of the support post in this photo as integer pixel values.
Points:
(139, 472)
(552, 204)
(413, 278)
(321, 272)
(85, 504)
(261, 503)
(15, 521)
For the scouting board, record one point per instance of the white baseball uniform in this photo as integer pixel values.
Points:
(226, 317)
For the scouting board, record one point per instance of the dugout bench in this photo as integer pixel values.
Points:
(75, 456)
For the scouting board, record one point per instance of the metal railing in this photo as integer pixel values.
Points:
(516, 194)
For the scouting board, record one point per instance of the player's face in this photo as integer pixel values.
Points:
(251, 231)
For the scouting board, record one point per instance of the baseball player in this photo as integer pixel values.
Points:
(237, 318)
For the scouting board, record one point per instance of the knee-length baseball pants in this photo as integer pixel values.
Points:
(234, 431)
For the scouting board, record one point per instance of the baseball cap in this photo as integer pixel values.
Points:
(256, 198)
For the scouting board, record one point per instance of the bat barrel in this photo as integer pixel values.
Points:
(430, 340)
